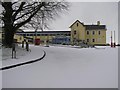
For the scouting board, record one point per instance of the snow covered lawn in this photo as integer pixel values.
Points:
(21, 54)
(67, 68)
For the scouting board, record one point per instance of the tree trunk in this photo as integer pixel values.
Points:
(8, 37)
(9, 29)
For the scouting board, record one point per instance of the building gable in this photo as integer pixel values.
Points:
(76, 22)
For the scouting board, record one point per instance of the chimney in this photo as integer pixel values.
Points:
(98, 22)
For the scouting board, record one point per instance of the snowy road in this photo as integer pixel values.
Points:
(67, 68)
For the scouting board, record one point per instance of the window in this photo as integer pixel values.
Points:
(99, 32)
(45, 34)
(77, 24)
(87, 32)
(69, 34)
(27, 34)
(58, 34)
(74, 32)
(24, 35)
(87, 40)
(93, 40)
(38, 34)
(66, 34)
(50, 34)
(93, 32)
(31, 34)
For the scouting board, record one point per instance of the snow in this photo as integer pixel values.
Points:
(21, 54)
(66, 67)
(7, 52)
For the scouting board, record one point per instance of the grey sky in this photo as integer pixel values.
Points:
(90, 13)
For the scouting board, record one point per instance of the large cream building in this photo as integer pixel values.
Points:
(90, 34)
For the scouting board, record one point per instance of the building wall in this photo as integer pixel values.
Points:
(80, 32)
(1, 35)
(99, 38)
(43, 38)
(19, 38)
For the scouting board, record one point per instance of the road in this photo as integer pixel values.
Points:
(65, 67)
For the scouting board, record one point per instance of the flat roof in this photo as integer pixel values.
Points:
(44, 32)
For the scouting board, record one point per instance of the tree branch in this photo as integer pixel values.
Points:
(19, 10)
(31, 16)
(25, 14)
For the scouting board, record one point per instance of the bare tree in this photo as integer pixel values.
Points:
(18, 14)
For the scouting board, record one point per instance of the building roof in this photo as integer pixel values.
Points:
(75, 22)
(91, 27)
(95, 27)
(45, 32)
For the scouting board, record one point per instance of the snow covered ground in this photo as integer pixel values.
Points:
(21, 54)
(7, 52)
(66, 67)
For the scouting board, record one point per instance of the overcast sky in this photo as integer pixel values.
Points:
(90, 13)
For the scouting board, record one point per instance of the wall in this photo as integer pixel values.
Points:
(99, 39)
(80, 32)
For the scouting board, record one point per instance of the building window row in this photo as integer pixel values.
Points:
(66, 34)
(94, 40)
(88, 40)
(93, 32)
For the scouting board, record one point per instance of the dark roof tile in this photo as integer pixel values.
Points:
(95, 27)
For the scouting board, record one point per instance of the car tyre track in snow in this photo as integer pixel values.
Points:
(24, 63)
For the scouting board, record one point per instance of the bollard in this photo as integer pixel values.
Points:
(111, 44)
(13, 51)
(22, 44)
(27, 46)
(114, 45)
